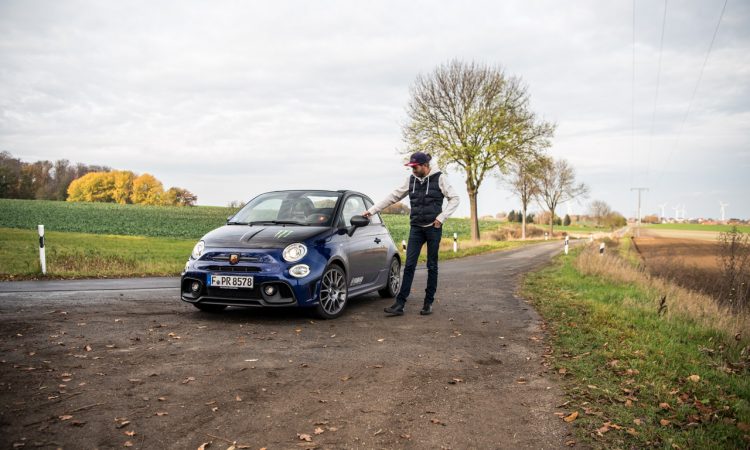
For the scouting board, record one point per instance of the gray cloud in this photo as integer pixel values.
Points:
(299, 94)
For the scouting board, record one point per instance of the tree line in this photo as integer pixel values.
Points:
(61, 180)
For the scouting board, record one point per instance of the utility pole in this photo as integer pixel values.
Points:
(639, 189)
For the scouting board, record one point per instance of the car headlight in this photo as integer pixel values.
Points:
(198, 249)
(187, 266)
(299, 271)
(294, 252)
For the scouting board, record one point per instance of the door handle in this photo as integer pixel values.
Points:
(377, 240)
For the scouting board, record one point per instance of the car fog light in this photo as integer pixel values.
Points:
(269, 290)
(195, 287)
(299, 271)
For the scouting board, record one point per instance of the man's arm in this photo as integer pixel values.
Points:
(453, 200)
(397, 195)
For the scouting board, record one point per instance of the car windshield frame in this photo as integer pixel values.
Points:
(301, 208)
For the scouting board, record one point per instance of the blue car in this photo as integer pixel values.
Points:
(310, 249)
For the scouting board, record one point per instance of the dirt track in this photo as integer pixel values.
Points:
(88, 369)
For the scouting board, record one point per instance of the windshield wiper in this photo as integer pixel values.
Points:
(277, 222)
(236, 223)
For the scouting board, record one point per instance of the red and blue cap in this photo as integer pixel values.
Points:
(418, 158)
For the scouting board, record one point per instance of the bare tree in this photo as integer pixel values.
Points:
(522, 182)
(599, 210)
(557, 184)
(476, 118)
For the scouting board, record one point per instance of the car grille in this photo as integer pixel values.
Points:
(224, 257)
(240, 269)
(247, 294)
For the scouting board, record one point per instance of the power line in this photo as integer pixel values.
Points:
(695, 90)
(632, 108)
(656, 93)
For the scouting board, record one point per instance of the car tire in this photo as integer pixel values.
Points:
(210, 308)
(394, 280)
(333, 294)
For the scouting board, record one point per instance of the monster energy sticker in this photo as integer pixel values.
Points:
(283, 234)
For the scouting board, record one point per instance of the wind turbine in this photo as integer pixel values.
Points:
(676, 212)
(723, 205)
(662, 210)
(684, 216)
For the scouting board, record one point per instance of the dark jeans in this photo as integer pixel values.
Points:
(418, 236)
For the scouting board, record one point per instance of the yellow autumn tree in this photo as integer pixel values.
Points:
(92, 187)
(123, 186)
(147, 190)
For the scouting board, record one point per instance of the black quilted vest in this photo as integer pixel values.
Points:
(426, 199)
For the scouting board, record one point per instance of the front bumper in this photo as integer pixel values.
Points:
(265, 269)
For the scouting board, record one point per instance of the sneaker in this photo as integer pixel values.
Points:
(396, 309)
(426, 309)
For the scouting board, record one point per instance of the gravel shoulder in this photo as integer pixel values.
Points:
(75, 366)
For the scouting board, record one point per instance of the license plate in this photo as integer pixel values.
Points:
(230, 281)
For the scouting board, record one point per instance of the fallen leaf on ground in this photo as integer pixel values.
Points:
(603, 429)
(437, 422)
(637, 422)
(632, 432)
(694, 378)
(333, 429)
(570, 443)
(204, 446)
(65, 417)
(319, 431)
(664, 406)
(743, 426)
(127, 444)
(304, 437)
(405, 436)
(571, 417)
(346, 378)
(162, 413)
(664, 422)
(381, 340)
(238, 398)
(88, 348)
(380, 431)
(129, 433)
(188, 380)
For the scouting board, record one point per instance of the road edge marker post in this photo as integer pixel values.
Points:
(566, 243)
(403, 245)
(42, 256)
(455, 242)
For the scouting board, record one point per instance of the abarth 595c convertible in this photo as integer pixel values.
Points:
(310, 249)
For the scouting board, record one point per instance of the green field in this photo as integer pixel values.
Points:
(162, 221)
(635, 378)
(697, 227)
(104, 239)
(111, 218)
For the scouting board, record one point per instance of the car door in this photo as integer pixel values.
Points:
(363, 247)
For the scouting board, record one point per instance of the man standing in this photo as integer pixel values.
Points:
(426, 191)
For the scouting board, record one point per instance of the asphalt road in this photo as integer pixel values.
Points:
(113, 363)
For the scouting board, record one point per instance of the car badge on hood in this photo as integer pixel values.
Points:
(283, 234)
(234, 259)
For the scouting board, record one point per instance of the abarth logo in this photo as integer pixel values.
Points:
(283, 234)
(234, 259)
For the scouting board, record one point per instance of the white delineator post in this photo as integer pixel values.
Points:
(455, 242)
(42, 256)
(403, 245)
(601, 248)
(566, 244)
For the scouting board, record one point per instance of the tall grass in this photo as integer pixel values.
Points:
(681, 302)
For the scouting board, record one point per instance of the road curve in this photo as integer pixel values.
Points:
(469, 376)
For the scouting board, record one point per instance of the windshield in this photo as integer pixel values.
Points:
(291, 207)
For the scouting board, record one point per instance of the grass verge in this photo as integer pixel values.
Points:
(635, 377)
(82, 255)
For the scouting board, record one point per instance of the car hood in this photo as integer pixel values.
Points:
(242, 236)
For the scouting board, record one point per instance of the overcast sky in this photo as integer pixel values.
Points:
(231, 99)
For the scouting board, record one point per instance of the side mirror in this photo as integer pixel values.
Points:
(360, 221)
(357, 222)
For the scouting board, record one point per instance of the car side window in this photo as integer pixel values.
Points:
(353, 206)
(375, 218)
